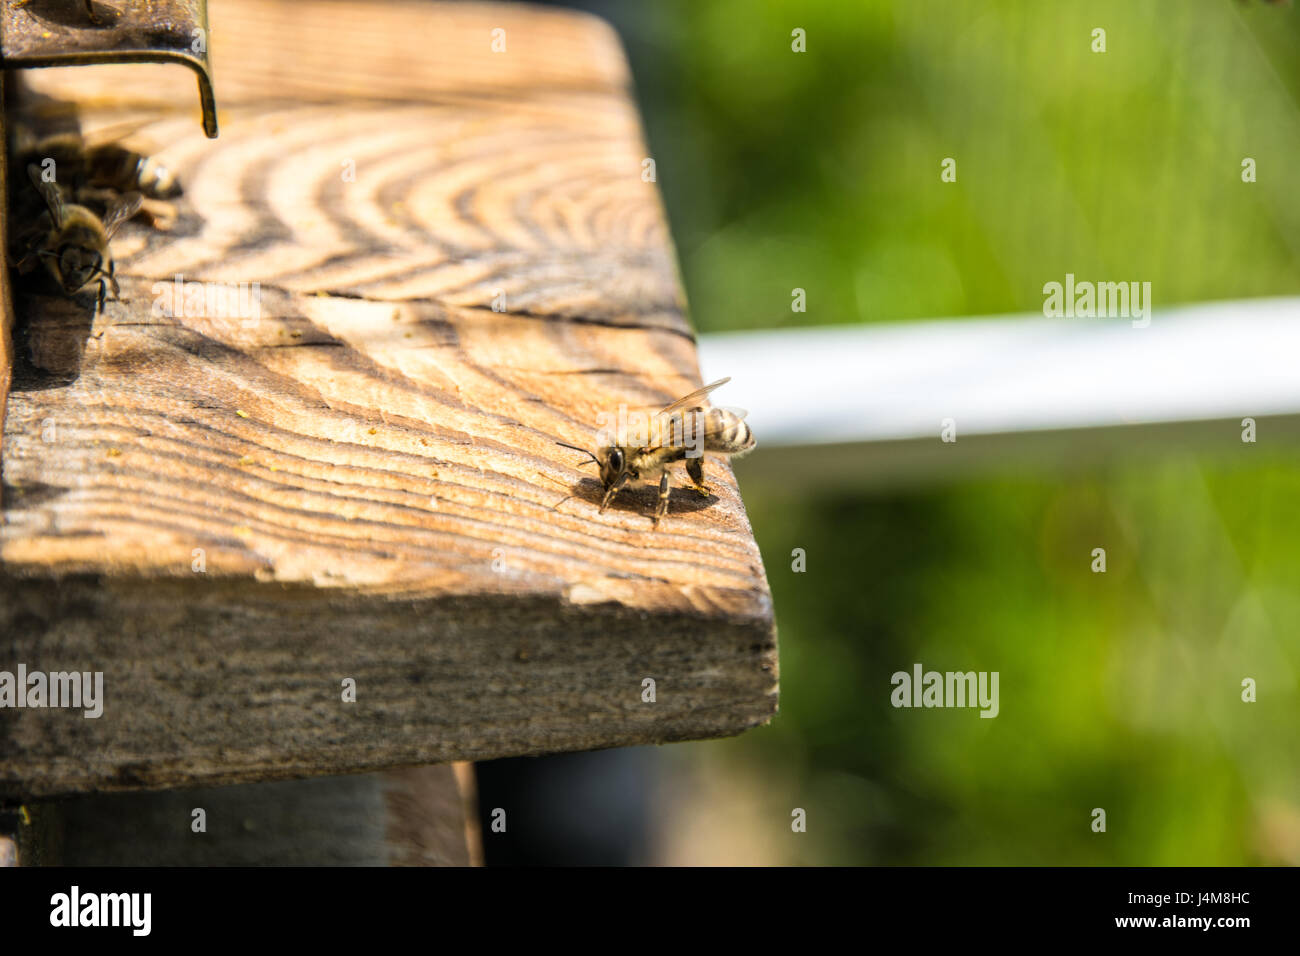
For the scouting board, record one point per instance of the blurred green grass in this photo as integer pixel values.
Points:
(1118, 690)
(821, 170)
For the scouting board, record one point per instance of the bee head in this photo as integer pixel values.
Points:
(613, 471)
(77, 267)
(612, 462)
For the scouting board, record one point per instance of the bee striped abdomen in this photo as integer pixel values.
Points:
(75, 167)
(726, 431)
(124, 170)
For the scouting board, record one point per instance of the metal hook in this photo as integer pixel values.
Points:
(39, 33)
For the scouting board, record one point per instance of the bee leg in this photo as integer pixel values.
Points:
(609, 496)
(35, 245)
(661, 508)
(695, 468)
(26, 263)
(158, 214)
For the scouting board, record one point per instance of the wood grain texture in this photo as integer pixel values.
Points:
(369, 470)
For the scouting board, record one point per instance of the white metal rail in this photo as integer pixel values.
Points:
(1032, 386)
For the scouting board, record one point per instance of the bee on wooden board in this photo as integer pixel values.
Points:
(72, 242)
(79, 196)
(683, 431)
(89, 171)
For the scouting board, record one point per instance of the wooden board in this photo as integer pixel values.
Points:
(367, 474)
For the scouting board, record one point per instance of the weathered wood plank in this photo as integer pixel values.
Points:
(367, 474)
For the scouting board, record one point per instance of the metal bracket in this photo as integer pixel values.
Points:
(37, 33)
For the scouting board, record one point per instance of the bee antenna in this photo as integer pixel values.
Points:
(583, 450)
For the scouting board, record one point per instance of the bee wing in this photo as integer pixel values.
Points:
(49, 192)
(116, 132)
(686, 400)
(736, 412)
(120, 210)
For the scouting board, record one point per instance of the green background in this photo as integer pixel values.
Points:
(1120, 690)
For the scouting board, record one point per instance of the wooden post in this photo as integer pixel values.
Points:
(415, 817)
(349, 478)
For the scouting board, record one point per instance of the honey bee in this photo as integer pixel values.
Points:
(83, 194)
(72, 242)
(676, 428)
(89, 173)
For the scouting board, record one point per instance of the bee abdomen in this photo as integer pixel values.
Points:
(727, 432)
(124, 170)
